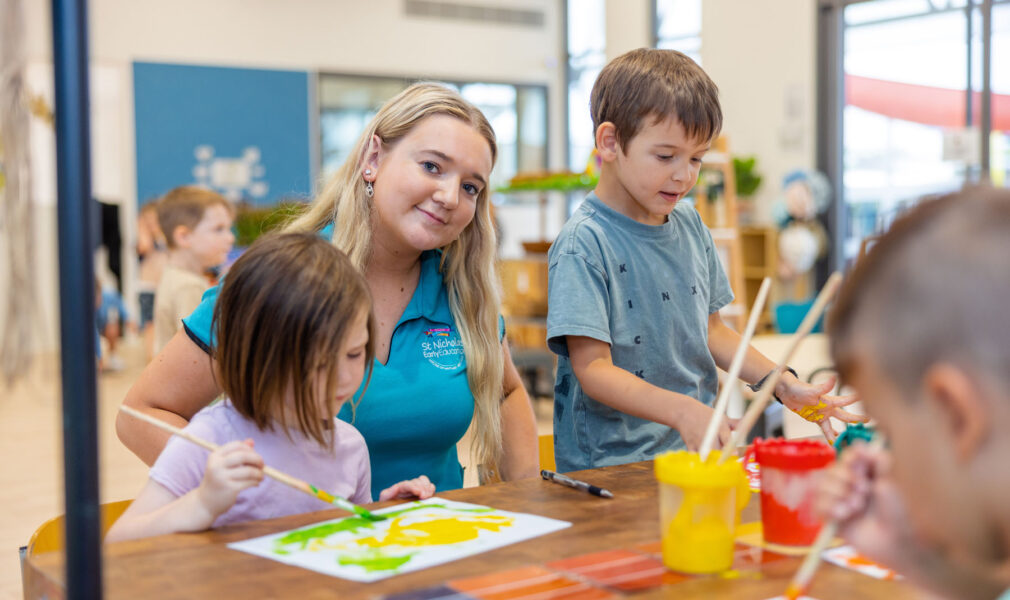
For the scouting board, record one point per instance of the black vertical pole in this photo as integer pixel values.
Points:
(77, 300)
(830, 106)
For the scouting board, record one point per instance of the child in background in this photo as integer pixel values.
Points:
(152, 254)
(921, 331)
(635, 283)
(111, 319)
(294, 326)
(197, 227)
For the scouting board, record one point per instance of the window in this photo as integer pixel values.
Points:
(912, 111)
(678, 26)
(517, 113)
(586, 56)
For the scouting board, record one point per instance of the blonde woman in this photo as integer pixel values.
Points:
(410, 209)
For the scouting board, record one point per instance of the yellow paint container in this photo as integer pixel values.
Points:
(699, 508)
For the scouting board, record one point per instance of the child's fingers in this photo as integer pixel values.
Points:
(826, 386)
(839, 401)
(848, 417)
(242, 455)
(725, 434)
(844, 490)
(831, 495)
(424, 487)
(246, 476)
(829, 432)
(420, 487)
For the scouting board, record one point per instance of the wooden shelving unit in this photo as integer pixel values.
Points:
(715, 200)
(760, 251)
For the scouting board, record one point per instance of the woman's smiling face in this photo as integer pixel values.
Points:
(427, 183)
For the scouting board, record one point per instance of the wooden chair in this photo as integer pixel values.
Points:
(49, 537)
(546, 443)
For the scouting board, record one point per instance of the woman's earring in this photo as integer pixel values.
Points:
(369, 189)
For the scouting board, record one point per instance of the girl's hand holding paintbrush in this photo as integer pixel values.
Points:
(231, 468)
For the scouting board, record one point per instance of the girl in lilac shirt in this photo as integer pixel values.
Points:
(293, 324)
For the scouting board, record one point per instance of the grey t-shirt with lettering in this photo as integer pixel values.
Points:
(647, 291)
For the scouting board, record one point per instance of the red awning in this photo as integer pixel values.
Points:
(921, 104)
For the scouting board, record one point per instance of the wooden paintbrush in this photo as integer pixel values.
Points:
(734, 370)
(757, 405)
(271, 472)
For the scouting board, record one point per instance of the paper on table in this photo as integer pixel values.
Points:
(846, 556)
(416, 535)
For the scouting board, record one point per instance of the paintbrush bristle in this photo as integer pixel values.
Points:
(793, 592)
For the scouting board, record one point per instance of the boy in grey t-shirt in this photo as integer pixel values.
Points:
(635, 283)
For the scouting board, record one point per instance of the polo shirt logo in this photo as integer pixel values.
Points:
(443, 348)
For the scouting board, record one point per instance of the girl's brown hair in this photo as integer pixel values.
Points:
(284, 309)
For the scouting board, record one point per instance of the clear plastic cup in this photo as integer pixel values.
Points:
(699, 508)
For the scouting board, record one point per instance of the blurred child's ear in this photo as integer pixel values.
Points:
(606, 141)
(180, 236)
(964, 413)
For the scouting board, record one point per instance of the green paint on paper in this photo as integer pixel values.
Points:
(397, 513)
(302, 537)
(375, 561)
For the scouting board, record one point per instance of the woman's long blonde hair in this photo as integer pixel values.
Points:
(468, 262)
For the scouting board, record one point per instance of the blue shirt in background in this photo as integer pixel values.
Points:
(648, 292)
(418, 405)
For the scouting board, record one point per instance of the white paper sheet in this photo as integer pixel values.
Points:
(416, 536)
(845, 556)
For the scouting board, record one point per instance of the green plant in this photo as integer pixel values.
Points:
(253, 221)
(747, 178)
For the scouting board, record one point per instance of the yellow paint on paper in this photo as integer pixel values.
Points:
(438, 532)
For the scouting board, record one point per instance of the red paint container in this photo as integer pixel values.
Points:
(790, 473)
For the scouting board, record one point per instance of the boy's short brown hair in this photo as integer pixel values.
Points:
(658, 84)
(185, 206)
(283, 312)
(932, 289)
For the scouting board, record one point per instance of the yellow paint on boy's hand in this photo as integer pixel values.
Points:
(813, 413)
(438, 532)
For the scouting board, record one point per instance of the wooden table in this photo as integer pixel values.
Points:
(201, 566)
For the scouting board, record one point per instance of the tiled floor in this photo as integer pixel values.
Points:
(31, 480)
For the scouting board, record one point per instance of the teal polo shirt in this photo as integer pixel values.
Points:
(418, 405)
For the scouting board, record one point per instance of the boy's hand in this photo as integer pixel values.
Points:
(870, 513)
(231, 468)
(812, 402)
(692, 422)
(419, 487)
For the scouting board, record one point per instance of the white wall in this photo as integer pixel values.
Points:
(763, 56)
(629, 26)
(341, 36)
(761, 53)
